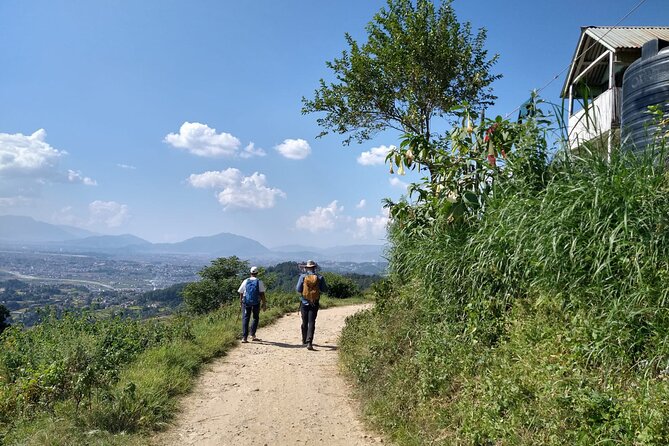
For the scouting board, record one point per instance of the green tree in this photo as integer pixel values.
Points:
(418, 63)
(4, 316)
(219, 284)
(285, 276)
(340, 287)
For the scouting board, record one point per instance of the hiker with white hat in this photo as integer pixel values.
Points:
(310, 286)
(252, 299)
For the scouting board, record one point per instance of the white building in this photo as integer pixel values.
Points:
(593, 87)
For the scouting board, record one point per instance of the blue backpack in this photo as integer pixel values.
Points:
(252, 295)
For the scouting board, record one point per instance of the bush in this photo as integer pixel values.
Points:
(219, 285)
(340, 287)
(79, 379)
(542, 315)
(71, 358)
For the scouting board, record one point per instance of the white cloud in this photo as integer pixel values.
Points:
(396, 182)
(77, 177)
(214, 179)
(28, 163)
(9, 202)
(108, 213)
(202, 140)
(295, 149)
(238, 191)
(65, 216)
(362, 204)
(251, 150)
(321, 218)
(27, 154)
(376, 156)
(126, 166)
(371, 227)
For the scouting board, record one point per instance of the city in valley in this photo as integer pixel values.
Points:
(31, 280)
(141, 285)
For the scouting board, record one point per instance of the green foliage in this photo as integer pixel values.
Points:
(541, 318)
(70, 358)
(363, 281)
(465, 166)
(418, 62)
(170, 296)
(340, 287)
(219, 285)
(78, 379)
(203, 296)
(285, 276)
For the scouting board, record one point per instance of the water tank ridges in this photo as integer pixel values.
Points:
(645, 83)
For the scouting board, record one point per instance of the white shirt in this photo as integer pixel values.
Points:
(242, 287)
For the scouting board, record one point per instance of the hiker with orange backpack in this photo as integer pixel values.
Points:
(310, 286)
(252, 299)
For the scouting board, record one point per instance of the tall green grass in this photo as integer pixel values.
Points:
(544, 322)
(76, 379)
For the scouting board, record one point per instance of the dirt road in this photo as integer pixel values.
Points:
(274, 392)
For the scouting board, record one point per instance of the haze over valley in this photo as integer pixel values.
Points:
(67, 267)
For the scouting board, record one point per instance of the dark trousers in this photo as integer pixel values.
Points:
(247, 310)
(309, 313)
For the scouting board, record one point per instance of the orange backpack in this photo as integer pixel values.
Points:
(310, 288)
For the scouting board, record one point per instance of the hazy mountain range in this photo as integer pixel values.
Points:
(25, 231)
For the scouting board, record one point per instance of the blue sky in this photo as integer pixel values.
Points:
(174, 119)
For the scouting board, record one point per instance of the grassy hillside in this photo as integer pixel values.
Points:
(540, 316)
(79, 379)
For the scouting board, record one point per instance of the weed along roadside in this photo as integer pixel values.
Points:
(112, 381)
(534, 313)
(541, 321)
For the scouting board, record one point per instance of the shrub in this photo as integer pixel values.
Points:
(219, 285)
(340, 287)
(542, 314)
(76, 378)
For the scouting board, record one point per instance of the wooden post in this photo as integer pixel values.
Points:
(571, 109)
(612, 85)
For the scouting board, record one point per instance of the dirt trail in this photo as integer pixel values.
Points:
(274, 392)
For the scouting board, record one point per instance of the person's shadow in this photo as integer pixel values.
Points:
(280, 344)
(326, 347)
(285, 345)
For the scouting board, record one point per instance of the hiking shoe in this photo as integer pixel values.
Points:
(304, 342)
(253, 338)
(310, 346)
(244, 341)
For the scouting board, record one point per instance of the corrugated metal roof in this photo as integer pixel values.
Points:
(620, 37)
(595, 40)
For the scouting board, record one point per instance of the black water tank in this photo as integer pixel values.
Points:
(645, 83)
